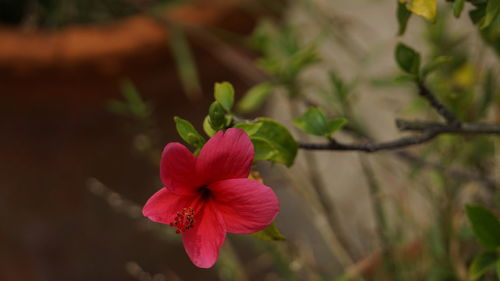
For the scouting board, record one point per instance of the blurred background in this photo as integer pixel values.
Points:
(61, 64)
(89, 90)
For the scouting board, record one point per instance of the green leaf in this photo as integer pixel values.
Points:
(217, 116)
(403, 15)
(490, 32)
(485, 225)
(250, 127)
(435, 64)
(224, 94)
(458, 6)
(408, 59)
(188, 133)
(482, 263)
(254, 97)
(277, 135)
(478, 14)
(271, 233)
(492, 11)
(314, 122)
(207, 127)
(264, 149)
(336, 124)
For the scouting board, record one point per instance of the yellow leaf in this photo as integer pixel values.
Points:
(424, 8)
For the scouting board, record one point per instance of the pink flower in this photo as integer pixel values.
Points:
(207, 196)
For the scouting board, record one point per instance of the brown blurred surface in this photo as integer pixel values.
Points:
(56, 133)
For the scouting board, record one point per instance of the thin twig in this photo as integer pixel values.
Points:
(388, 257)
(465, 128)
(373, 147)
(426, 164)
(424, 92)
(430, 130)
(321, 221)
(406, 156)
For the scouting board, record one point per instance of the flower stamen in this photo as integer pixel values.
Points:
(184, 220)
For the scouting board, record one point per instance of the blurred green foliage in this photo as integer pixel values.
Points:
(271, 233)
(315, 122)
(132, 105)
(486, 228)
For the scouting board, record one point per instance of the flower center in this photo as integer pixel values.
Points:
(184, 220)
(204, 192)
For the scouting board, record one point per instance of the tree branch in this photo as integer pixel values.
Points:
(471, 128)
(429, 130)
(373, 147)
(424, 92)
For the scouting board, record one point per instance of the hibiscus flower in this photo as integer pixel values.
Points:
(206, 196)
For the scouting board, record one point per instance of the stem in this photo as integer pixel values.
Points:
(429, 131)
(373, 147)
(320, 221)
(325, 201)
(466, 128)
(424, 92)
(388, 257)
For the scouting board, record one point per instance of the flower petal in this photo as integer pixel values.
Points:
(226, 155)
(203, 241)
(177, 169)
(246, 205)
(163, 206)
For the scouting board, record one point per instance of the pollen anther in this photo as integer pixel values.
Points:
(184, 220)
